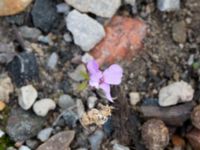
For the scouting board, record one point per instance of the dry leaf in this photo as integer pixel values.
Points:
(95, 116)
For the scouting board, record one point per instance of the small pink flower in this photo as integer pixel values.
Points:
(103, 80)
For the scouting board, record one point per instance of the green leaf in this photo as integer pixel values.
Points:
(84, 75)
(196, 65)
(82, 86)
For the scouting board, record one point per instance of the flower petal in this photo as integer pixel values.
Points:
(113, 75)
(106, 88)
(92, 67)
(95, 79)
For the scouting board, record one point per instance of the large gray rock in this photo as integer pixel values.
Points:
(60, 141)
(23, 125)
(86, 31)
(30, 33)
(44, 14)
(103, 8)
(168, 5)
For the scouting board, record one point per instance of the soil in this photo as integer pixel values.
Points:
(160, 62)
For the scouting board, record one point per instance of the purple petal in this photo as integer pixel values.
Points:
(113, 75)
(92, 67)
(106, 88)
(95, 79)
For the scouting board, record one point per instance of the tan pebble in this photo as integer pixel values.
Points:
(11, 7)
(2, 105)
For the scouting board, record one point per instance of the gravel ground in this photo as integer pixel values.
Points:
(44, 96)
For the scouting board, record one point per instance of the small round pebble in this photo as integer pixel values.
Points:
(43, 106)
(91, 101)
(155, 134)
(66, 101)
(23, 147)
(44, 134)
(134, 98)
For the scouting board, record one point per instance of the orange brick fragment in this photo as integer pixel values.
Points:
(123, 40)
(11, 7)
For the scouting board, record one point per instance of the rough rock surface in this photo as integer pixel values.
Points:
(86, 31)
(23, 125)
(103, 8)
(60, 141)
(175, 93)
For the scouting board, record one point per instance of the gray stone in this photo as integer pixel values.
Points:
(168, 5)
(32, 143)
(173, 115)
(77, 74)
(45, 39)
(7, 52)
(70, 118)
(44, 134)
(63, 8)
(27, 96)
(23, 125)
(66, 101)
(23, 147)
(43, 106)
(179, 32)
(23, 68)
(6, 87)
(86, 31)
(80, 108)
(60, 141)
(91, 101)
(117, 146)
(174, 93)
(67, 37)
(29, 33)
(96, 139)
(103, 8)
(44, 14)
(52, 61)
(86, 58)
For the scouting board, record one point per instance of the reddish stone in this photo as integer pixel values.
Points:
(194, 139)
(123, 40)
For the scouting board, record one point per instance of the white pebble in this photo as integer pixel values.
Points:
(27, 96)
(175, 93)
(2, 133)
(67, 37)
(168, 5)
(91, 102)
(43, 106)
(134, 98)
(44, 134)
(23, 147)
(86, 58)
(52, 61)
